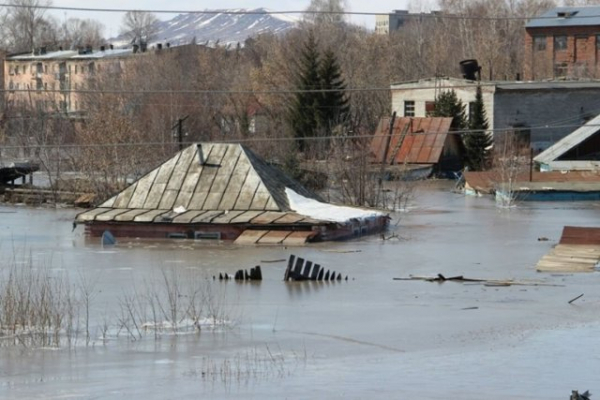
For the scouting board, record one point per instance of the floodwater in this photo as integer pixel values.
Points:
(368, 337)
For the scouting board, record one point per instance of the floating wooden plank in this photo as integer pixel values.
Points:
(250, 236)
(570, 258)
(298, 238)
(274, 237)
(487, 282)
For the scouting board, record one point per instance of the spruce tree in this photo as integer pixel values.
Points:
(334, 107)
(447, 104)
(477, 141)
(304, 111)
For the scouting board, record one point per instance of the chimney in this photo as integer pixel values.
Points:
(200, 154)
(43, 50)
(88, 49)
(102, 48)
(112, 47)
(135, 48)
(168, 45)
(60, 48)
(159, 46)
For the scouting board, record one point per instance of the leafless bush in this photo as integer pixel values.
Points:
(174, 303)
(37, 308)
(510, 165)
(356, 180)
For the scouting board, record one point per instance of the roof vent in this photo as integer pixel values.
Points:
(566, 14)
(200, 154)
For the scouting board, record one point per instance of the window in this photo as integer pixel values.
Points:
(539, 43)
(11, 85)
(560, 69)
(471, 110)
(560, 43)
(429, 108)
(598, 42)
(17, 70)
(39, 85)
(409, 108)
(76, 69)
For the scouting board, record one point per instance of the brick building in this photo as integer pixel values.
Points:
(563, 43)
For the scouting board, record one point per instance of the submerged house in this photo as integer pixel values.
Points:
(578, 151)
(420, 144)
(225, 192)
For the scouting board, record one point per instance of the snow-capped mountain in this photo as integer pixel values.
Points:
(224, 26)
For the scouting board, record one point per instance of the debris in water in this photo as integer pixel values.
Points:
(298, 270)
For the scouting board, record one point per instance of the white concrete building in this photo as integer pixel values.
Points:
(541, 113)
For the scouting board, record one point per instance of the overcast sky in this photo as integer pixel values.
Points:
(112, 21)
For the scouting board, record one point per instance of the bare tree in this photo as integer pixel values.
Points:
(326, 11)
(27, 24)
(139, 25)
(77, 32)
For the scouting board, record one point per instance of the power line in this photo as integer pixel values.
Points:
(268, 139)
(434, 15)
(393, 88)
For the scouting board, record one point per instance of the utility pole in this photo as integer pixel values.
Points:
(179, 127)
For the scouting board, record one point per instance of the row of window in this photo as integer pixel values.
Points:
(59, 68)
(560, 42)
(39, 85)
(409, 108)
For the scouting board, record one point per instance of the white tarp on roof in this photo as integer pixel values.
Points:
(327, 212)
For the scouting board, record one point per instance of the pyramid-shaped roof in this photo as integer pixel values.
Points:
(211, 177)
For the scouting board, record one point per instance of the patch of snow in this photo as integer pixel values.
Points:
(179, 210)
(328, 212)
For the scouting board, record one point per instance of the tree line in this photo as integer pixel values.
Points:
(259, 92)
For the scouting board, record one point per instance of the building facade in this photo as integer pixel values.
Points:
(54, 81)
(386, 24)
(563, 43)
(541, 113)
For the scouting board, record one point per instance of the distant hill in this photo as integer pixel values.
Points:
(218, 26)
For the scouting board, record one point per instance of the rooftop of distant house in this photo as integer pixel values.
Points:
(107, 51)
(560, 17)
(502, 85)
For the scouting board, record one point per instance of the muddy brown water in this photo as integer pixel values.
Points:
(369, 337)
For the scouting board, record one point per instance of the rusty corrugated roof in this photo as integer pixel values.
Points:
(413, 141)
(580, 235)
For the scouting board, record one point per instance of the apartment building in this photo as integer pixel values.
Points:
(53, 81)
